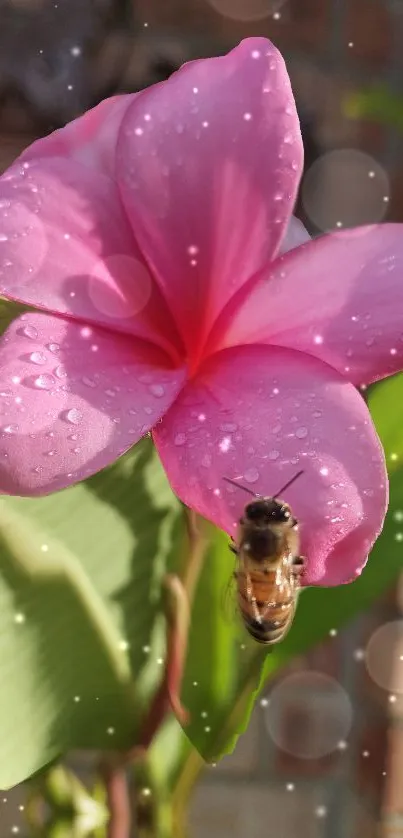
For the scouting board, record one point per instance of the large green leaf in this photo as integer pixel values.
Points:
(84, 569)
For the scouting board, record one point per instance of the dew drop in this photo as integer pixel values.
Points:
(251, 475)
(60, 371)
(29, 332)
(44, 382)
(53, 347)
(73, 416)
(10, 429)
(89, 382)
(37, 358)
(274, 455)
(301, 433)
(180, 439)
(157, 390)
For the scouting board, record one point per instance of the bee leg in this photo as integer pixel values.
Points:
(232, 546)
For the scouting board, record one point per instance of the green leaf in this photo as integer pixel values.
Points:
(386, 405)
(84, 567)
(220, 651)
(9, 311)
(220, 656)
(377, 103)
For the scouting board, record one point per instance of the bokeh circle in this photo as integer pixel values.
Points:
(308, 714)
(343, 189)
(384, 656)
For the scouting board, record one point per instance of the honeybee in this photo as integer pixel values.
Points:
(269, 565)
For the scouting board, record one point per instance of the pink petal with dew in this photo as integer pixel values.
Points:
(259, 414)
(90, 139)
(73, 398)
(295, 235)
(339, 298)
(66, 246)
(208, 165)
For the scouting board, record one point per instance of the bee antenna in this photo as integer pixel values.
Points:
(234, 483)
(290, 482)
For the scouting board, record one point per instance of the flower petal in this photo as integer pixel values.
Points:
(73, 398)
(208, 164)
(339, 297)
(66, 246)
(259, 414)
(90, 139)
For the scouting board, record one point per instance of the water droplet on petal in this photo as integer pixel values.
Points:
(89, 382)
(73, 416)
(53, 347)
(44, 382)
(251, 475)
(157, 390)
(180, 439)
(273, 455)
(37, 358)
(29, 332)
(10, 429)
(301, 433)
(60, 371)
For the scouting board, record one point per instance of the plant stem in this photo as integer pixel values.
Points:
(180, 593)
(113, 772)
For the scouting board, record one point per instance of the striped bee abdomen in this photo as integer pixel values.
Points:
(267, 605)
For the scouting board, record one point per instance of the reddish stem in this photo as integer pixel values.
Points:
(118, 800)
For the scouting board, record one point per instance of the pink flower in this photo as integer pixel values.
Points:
(145, 233)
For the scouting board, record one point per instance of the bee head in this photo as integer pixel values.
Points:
(268, 511)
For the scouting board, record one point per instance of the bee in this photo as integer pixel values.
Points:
(269, 565)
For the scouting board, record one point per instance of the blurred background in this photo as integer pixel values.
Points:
(323, 755)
